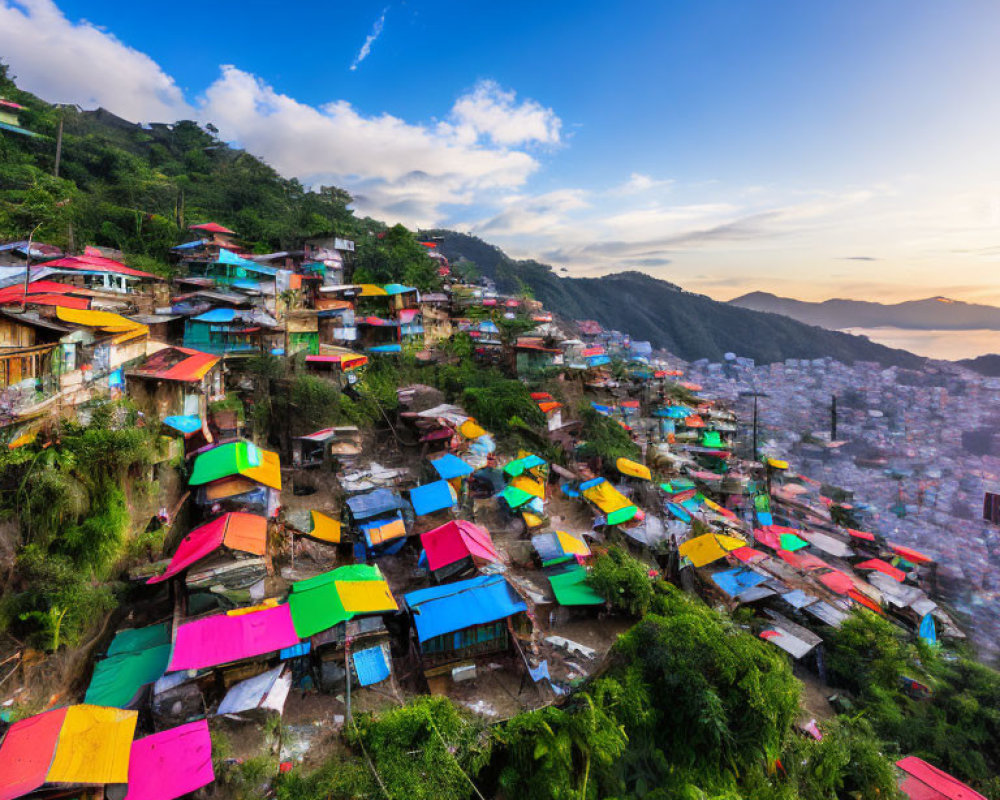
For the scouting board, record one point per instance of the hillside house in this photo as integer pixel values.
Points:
(176, 381)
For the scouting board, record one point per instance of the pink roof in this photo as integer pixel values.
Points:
(98, 264)
(221, 639)
(456, 540)
(927, 782)
(171, 763)
(211, 227)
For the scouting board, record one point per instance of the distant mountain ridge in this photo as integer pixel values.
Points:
(931, 313)
(690, 325)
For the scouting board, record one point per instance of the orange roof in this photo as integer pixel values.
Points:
(246, 533)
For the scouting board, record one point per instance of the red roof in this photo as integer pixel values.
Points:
(914, 556)
(211, 227)
(98, 264)
(868, 537)
(926, 782)
(884, 567)
(837, 581)
(178, 364)
(11, 104)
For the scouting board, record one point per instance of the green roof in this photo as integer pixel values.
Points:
(571, 589)
(132, 640)
(514, 497)
(136, 657)
(315, 603)
(622, 515)
(225, 460)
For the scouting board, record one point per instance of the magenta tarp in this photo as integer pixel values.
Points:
(456, 540)
(171, 763)
(221, 639)
(198, 544)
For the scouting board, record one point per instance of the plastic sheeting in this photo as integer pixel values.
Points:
(267, 691)
(633, 469)
(171, 763)
(370, 666)
(709, 547)
(137, 661)
(240, 531)
(571, 589)
(221, 639)
(450, 466)
(374, 504)
(94, 746)
(454, 606)
(735, 581)
(432, 497)
(456, 540)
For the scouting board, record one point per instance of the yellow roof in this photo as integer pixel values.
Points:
(529, 485)
(709, 547)
(471, 429)
(777, 463)
(633, 469)
(372, 290)
(606, 497)
(531, 520)
(271, 602)
(269, 471)
(325, 528)
(94, 746)
(105, 320)
(572, 544)
(365, 597)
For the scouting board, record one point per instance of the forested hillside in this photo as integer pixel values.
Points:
(691, 325)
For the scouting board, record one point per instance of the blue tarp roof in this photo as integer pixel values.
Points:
(598, 361)
(397, 288)
(188, 424)
(451, 466)
(735, 581)
(385, 348)
(454, 606)
(370, 666)
(217, 315)
(488, 327)
(228, 257)
(374, 503)
(673, 412)
(189, 245)
(431, 497)
(601, 409)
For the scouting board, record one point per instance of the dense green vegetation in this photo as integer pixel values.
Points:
(73, 520)
(957, 729)
(137, 189)
(690, 325)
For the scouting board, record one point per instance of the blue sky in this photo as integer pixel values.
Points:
(814, 149)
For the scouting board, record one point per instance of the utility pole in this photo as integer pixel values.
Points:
(27, 263)
(55, 171)
(833, 419)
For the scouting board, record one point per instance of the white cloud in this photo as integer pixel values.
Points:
(638, 183)
(67, 62)
(491, 112)
(401, 170)
(366, 48)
